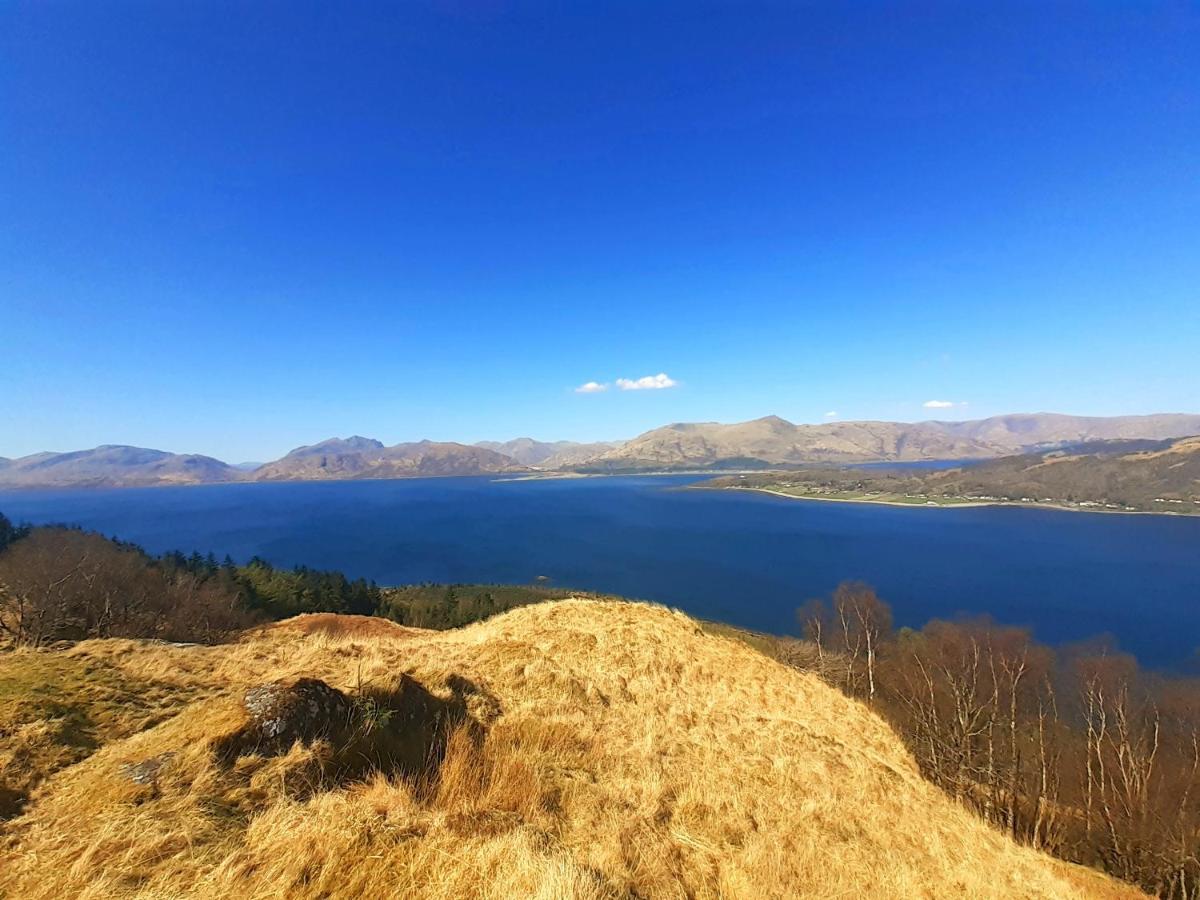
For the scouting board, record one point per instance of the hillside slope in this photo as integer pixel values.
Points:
(605, 750)
(1163, 478)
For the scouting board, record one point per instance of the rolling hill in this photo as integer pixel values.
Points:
(596, 750)
(113, 466)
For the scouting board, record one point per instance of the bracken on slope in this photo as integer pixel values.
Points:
(593, 749)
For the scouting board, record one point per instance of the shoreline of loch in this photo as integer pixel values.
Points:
(932, 504)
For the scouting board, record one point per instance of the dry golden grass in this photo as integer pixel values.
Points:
(340, 626)
(619, 751)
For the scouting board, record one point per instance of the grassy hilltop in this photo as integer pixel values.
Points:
(573, 748)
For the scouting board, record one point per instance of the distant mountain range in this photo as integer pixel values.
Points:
(548, 454)
(761, 443)
(772, 441)
(1049, 431)
(360, 457)
(113, 466)
(334, 459)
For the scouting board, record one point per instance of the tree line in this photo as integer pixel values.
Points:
(59, 583)
(1076, 752)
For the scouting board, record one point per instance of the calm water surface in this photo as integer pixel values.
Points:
(740, 557)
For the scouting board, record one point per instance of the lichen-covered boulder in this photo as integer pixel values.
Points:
(399, 729)
(284, 712)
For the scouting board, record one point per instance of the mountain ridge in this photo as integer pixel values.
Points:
(769, 441)
(337, 459)
(774, 441)
(544, 454)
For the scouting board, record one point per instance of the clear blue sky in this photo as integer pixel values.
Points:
(236, 228)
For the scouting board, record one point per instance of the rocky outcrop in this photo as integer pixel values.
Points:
(283, 712)
(402, 729)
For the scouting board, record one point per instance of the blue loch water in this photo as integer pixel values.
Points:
(740, 557)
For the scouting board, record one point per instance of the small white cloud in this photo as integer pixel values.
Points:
(591, 387)
(942, 404)
(832, 414)
(647, 383)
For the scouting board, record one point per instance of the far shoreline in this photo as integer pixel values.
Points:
(1054, 507)
(494, 477)
(508, 478)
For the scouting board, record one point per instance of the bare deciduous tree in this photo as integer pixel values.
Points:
(59, 583)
